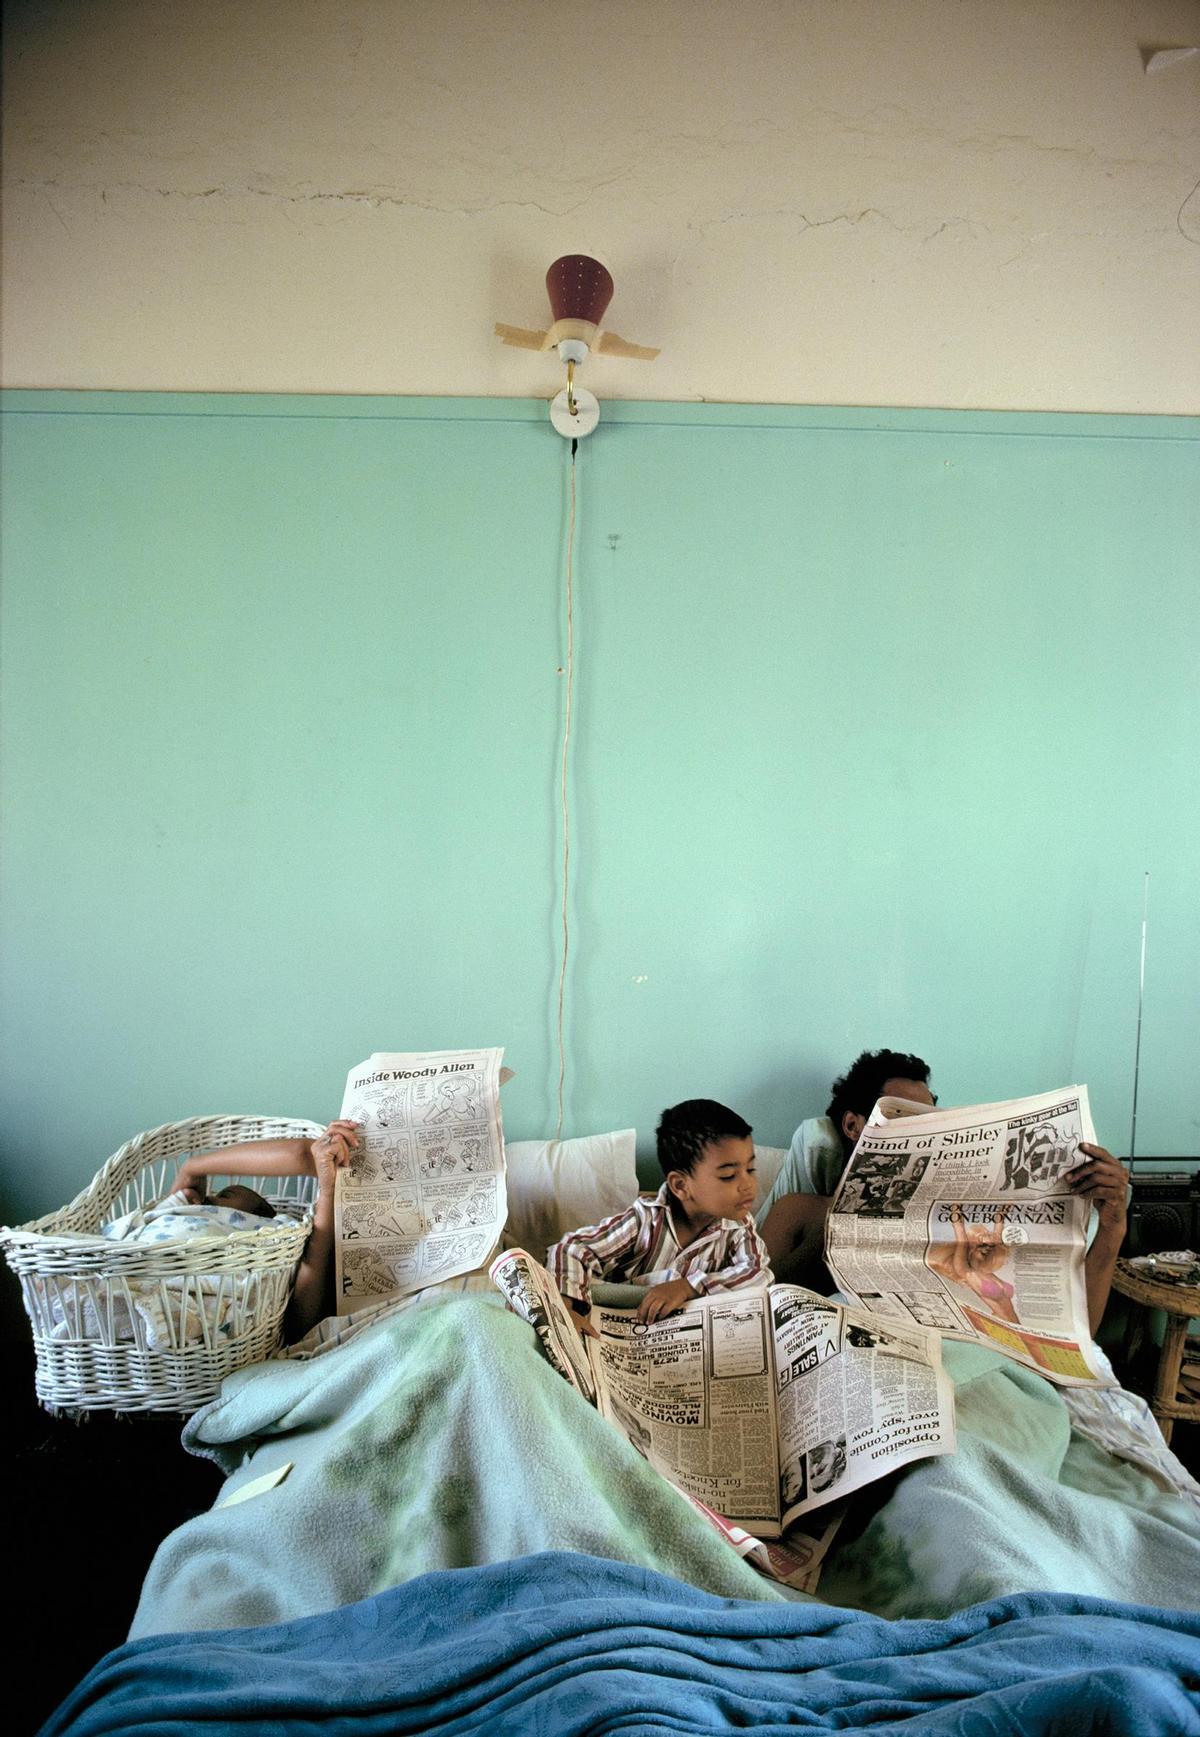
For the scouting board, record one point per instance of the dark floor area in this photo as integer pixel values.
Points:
(90, 1502)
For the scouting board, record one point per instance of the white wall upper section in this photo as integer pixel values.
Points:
(895, 202)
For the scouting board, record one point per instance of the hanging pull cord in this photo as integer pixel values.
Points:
(564, 791)
(1137, 1048)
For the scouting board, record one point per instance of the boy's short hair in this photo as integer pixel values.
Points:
(863, 1081)
(687, 1128)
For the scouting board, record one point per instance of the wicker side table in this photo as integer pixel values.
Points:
(1180, 1302)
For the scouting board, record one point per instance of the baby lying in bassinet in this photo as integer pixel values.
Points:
(185, 1214)
(173, 1310)
(167, 1309)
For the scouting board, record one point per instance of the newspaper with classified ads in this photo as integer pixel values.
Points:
(964, 1220)
(425, 1197)
(760, 1406)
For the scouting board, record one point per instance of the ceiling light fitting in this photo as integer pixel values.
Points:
(580, 289)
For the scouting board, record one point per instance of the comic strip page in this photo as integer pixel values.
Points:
(425, 1198)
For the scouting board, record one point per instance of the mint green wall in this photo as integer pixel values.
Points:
(881, 717)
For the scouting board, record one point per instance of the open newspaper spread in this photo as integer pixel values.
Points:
(964, 1220)
(425, 1198)
(759, 1406)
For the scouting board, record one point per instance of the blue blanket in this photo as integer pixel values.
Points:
(559, 1645)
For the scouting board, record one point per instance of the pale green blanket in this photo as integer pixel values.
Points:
(1027, 1504)
(440, 1438)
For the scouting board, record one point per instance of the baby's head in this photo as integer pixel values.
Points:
(707, 1158)
(242, 1199)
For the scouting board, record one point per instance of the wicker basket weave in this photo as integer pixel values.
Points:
(222, 1299)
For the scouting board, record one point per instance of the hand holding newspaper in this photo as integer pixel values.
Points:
(760, 1405)
(964, 1220)
(425, 1199)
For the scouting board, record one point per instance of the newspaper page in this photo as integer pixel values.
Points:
(759, 1406)
(768, 1405)
(963, 1220)
(694, 1394)
(425, 1198)
(796, 1560)
(856, 1397)
(532, 1294)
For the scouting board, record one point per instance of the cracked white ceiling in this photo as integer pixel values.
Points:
(940, 202)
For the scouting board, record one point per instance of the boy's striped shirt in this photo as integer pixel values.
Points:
(640, 1243)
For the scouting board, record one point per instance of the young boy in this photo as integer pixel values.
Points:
(694, 1237)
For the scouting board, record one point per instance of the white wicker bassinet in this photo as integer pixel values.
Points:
(219, 1301)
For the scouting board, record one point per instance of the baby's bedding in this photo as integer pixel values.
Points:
(178, 1219)
(573, 1645)
(173, 1311)
(439, 1438)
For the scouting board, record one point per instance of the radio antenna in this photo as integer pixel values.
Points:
(1137, 1052)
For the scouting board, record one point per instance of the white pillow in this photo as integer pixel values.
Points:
(556, 1185)
(768, 1162)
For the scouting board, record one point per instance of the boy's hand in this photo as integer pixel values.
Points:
(1102, 1181)
(334, 1150)
(664, 1299)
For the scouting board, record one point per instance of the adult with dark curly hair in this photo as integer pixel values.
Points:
(792, 1217)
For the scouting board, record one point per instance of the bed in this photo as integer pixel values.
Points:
(444, 1536)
